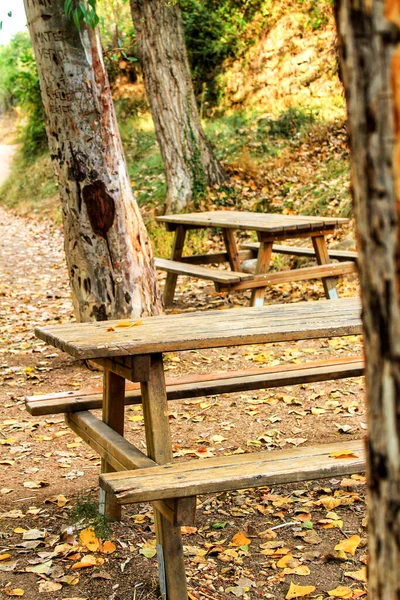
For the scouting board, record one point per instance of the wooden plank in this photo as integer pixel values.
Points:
(268, 222)
(241, 471)
(113, 415)
(340, 255)
(115, 367)
(191, 270)
(214, 258)
(325, 272)
(231, 249)
(322, 255)
(158, 441)
(262, 266)
(193, 386)
(110, 445)
(122, 456)
(208, 329)
(176, 253)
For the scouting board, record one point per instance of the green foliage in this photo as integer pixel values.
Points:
(215, 30)
(19, 86)
(85, 513)
(9, 14)
(317, 11)
(289, 122)
(82, 12)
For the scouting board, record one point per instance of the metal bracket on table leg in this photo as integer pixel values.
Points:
(259, 302)
(333, 295)
(102, 502)
(161, 571)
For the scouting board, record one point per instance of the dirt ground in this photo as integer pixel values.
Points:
(247, 544)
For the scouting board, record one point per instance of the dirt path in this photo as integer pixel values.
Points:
(6, 154)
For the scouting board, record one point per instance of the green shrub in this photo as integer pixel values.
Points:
(289, 123)
(19, 86)
(215, 30)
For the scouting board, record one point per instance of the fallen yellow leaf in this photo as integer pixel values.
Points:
(349, 545)
(89, 539)
(298, 591)
(108, 547)
(4, 556)
(284, 561)
(129, 323)
(360, 575)
(87, 561)
(343, 454)
(329, 502)
(14, 592)
(239, 539)
(341, 591)
(186, 530)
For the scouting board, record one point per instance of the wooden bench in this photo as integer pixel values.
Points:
(225, 278)
(224, 281)
(193, 386)
(340, 255)
(226, 473)
(123, 456)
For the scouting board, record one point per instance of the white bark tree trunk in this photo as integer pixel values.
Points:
(108, 252)
(369, 40)
(188, 159)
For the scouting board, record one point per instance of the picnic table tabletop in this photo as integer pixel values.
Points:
(209, 329)
(266, 222)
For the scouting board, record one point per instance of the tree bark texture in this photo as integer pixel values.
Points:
(109, 256)
(188, 159)
(369, 40)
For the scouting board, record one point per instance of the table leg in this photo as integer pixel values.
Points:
(231, 249)
(322, 255)
(113, 415)
(263, 262)
(176, 254)
(171, 567)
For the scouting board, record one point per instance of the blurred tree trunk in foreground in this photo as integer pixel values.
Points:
(108, 252)
(369, 41)
(188, 159)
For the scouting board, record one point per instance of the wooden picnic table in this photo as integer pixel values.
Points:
(270, 228)
(134, 353)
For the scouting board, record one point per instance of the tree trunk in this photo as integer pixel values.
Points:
(108, 252)
(369, 39)
(188, 159)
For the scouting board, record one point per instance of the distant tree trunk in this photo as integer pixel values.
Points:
(108, 252)
(188, 159)
(369, 39)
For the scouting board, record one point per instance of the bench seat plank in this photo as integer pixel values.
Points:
(234, 472)
(340, 255)
(193, 386)
(192, 270)
(208, 329)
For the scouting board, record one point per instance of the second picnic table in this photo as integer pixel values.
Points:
(270, 228)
